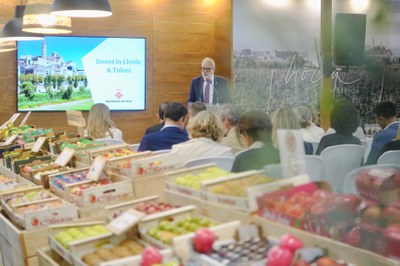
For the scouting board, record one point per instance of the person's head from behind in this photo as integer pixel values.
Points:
(161, 110)
(175, 114)
(344, 117)
(207, 68)
(205, 125)
(304, 115)
(196, 108)
(254, 126)
(99, 121)
(385, 113)
(229, 116)
(283, 118)
(314, 115)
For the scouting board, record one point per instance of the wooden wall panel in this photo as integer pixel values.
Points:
(179, 34)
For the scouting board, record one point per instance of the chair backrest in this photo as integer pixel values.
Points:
(273, 170)
(349, 182)
(161, 152)
(111, 141)
(315, 167)
(390, 157)
(338, 161)
(314, 146)
(224, 162)
(135, 146)
(365, 145)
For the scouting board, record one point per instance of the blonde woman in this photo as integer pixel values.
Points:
(100, 125)
(205, 131)
(286, 118)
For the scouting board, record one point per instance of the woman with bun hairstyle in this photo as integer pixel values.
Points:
(100, 125)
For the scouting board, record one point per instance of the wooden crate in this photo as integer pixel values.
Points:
(337, 250)
(48, 257)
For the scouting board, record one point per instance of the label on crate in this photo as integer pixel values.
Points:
(96, 169)
(38, 144)
(25, 119)
(65, 156)
(10, 139)
(291, 152)
(125, 221)
(75, 118)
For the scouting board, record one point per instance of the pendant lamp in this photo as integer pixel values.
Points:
(37, 19)
(8, 46)
(12, 30)
(82, 8)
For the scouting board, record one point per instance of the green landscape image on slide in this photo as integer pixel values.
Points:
(53, 92)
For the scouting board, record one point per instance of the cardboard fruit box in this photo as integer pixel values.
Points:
(112, 151)
(379, 185)
(241, 190)
(38, 171)
(8, 185)
(58, 181)
(288, 204)
(123, 165)
(62, 242)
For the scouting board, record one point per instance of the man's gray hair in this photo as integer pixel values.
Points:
(230, 112)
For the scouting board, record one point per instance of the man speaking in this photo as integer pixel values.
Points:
(209, 88)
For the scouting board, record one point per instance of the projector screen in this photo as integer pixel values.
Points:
(73, 73)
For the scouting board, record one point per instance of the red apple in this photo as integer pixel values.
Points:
(203, 240)
(279, 256)
(371, 215)
(301, 263)
(348, 202)
(325, 261)
(290, 242)
(151, 256)
(392, 214)
(353, 237)
(393, 231)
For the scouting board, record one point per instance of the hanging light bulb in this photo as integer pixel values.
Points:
(8, 46)
(37, 19)
(82, 8)
(12, 30)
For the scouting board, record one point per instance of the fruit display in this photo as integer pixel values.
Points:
(193, 180)
(78, 189)
(238, 187)
(27, 197)
(125, 249)
(8, 185)
(59, 181)
(80, 143)
(117, 153)
(166, 230)
(66, 236)
(283, 253)
(38, 206)
(154, 207)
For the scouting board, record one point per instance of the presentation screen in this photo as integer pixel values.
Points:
(73, 73)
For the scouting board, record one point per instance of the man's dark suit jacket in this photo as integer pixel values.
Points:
(154, 128)
(163, 140)
(221, 90)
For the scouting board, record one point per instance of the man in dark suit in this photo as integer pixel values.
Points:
(160, 114)
(209, 88)
(172, 132)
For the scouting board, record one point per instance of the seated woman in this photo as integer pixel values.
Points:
(390, 146)
(255, 127)
(344, 120)
(311, 133)
(205, 131)
(286, 118)
(100, 125)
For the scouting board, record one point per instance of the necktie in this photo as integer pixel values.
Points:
(207, 92)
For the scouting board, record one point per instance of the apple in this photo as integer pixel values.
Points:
(348, 202)
(392, 214)
(353, 237)
(290, 242)
(393, 231)
(151, 256)
(371, 215)
(279, 256)
(325, 261)
(203, 240)
(301, 263)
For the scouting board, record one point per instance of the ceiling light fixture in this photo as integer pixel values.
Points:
(82, 8)
(37, 19)
(8, 46)
(12, 30)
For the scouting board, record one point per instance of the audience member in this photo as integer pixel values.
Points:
(385, 113)
(229, 115)
(196, 108)
(390, 146)
(310, 131)
(344, 120)
(255, 127)
(205, 130)
(286, 118)
(172, 132)
(100, 125)
(209, 88)
(160, 115)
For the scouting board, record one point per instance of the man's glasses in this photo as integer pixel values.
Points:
(207, 69)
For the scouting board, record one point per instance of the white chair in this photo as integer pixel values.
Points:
(161, 152)
(365, 145)
(224, 162)
(338, 161)
(314, 146)
(349, 182)
(315, 167)
(111, 141)
(390, 157)
(273, 170)
(135, 146)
